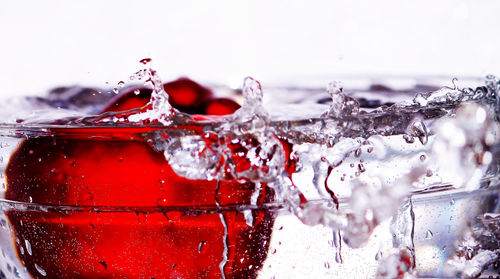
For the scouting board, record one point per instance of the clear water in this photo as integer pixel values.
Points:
(389, 182)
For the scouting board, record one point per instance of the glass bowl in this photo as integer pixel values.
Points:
(387, 177)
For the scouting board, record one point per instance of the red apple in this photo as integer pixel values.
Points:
(184, 94)
(130, 214)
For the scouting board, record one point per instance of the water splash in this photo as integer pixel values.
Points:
(477, 250)
(248, 146)
(342, 105)
(158, 108)
(243, 147)
(464, 139)
(399, 261)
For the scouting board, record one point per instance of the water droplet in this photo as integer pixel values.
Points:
(104, 264)
(121, 83)
(145, 61)
(452, 201)
(361, 168)
(116, 90)
(40, 270)
(28, 247)
(327, 265)
(202, 247)
(422, 157)
(409, 139)
(137, 91)
(420, 131)
(162, 202)
(429, 234)
(357, 153)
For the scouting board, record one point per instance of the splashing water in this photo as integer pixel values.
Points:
(355, 168)
(158, 107)
(243, 147)
(334, 141)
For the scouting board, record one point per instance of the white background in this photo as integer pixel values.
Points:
(51, 43)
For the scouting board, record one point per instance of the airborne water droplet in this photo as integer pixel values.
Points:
(145, 61)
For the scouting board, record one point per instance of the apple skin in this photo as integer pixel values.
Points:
(184, 94)
(164, 231)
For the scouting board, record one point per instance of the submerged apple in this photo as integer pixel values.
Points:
(130, 215)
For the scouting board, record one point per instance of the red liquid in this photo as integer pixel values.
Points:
(78, 167)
